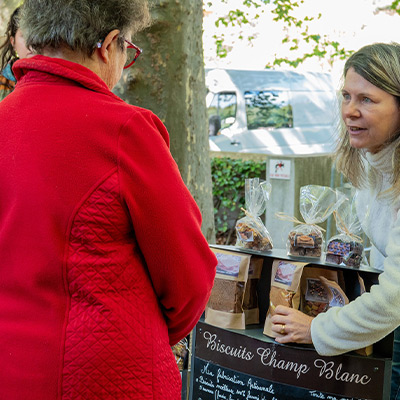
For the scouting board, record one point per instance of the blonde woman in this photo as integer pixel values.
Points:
(368, 155)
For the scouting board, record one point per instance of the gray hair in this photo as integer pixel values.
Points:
(379, 64)
(79, 24)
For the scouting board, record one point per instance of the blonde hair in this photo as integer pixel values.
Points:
(379, 64)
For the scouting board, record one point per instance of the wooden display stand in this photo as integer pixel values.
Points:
(247, 365)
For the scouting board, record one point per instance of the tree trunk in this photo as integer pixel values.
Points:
(169, 79)
(6, 9)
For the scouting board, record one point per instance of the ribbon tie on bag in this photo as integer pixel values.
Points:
(355, 237)
(284, 217)
(253, 218)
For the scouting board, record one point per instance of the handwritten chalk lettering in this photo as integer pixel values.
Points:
(206, 371)
(222, 396)
(317, 395)
(215, 344)
(253, 384)
(225, 388)
(329, 371)
(251, 397)
(206, 382)
(224, 375)
(218, 383)
(268, 359)
(219, 395)
(205, 389)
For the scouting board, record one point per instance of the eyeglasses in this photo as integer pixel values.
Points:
(132, 53)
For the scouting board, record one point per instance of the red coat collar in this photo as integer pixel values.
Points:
(30, 68)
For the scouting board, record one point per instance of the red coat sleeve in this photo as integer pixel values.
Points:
(167, 223)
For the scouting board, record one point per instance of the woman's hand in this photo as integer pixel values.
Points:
(292, 326)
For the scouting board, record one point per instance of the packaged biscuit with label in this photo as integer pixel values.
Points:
(315, 293)
(250, 301)
(346, 248)
(336, 295)
(225, 306)
(317, 203)
(285, 289)
(250, 231)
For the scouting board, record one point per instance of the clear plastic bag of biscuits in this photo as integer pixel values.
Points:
(346, 248)
(251, 233)
(317, 203)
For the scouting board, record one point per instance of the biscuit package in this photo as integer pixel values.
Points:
(225, 306)
(311, 290)
(285, 289)
(250, 300)
(368, 350)
(317, 203)
(346, 248)
(320, 291)
(250, 231)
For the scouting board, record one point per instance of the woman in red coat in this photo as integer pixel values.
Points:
(102, 262)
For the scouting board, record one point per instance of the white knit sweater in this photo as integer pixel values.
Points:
(373, 315)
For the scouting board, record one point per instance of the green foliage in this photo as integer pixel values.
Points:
(395, 6)
(323, 47)
(266, 109)
(239, 17)
(228, 178)
(282, 12)
(234, 17)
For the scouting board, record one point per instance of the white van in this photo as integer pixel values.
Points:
(271, 112)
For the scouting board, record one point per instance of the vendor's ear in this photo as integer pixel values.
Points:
(12, 41)
(106, 45)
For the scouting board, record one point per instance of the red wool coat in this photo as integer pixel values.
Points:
(102, 262)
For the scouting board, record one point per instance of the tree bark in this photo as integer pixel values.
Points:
(6, 9)
(168, 78)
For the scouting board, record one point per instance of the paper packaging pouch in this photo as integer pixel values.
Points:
(285, 289)
(225, 306)
(319, 294)
(317, 203)
(316, 285)
(365, 351)
(250, 301)
(251, 233)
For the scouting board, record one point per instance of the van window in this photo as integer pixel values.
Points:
(268, 109)
(224, 106)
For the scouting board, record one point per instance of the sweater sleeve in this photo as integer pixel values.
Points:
(167, 223)
(368, 318)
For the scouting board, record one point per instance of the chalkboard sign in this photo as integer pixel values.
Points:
(215, 382)
(233, 366)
